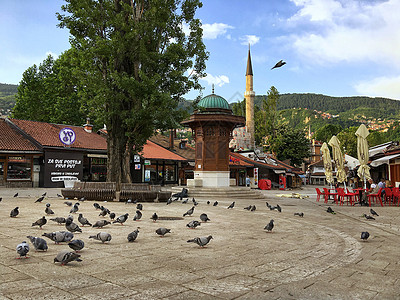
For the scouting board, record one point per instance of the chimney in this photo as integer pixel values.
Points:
(88, 127)
(171, 139)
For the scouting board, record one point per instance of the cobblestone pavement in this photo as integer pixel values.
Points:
(319, 256)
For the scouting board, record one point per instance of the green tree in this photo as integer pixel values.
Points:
(239, 108)
(135, 56)
(348, 140)
(324, 133)
(291, 144)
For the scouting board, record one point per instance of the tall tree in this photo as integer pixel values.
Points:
(325, 132)
(135, 55)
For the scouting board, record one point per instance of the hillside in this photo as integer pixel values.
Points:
(7, 97)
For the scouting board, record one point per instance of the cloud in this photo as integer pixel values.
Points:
(387, 87)
(345, 31)
(212, 31)
(219, 80)
(249, 39)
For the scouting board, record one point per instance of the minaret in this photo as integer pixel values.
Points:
(249, 96)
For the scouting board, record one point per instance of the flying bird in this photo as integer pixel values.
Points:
(278, 64)
(22, 250)
(201, 241)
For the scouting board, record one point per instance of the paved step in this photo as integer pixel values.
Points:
(231, 192)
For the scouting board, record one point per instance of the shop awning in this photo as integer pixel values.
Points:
(383, 160)
(279, 171)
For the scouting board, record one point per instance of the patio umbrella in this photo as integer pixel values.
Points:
(326, 156)
(362, 152)
(338, 158)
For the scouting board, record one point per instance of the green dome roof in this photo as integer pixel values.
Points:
(214, 101)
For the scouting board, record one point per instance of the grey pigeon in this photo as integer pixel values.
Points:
(162, 231)
(14, 212)
(299, 214)
(204, 217)
(193, 224)
(39, 243)
(42, 221)
(68, 203)
(48, 204)
(71, 226)
(112, 216)
(154, 217)
(101, 223)
(373, 212)
(268, 205)
(248, 207)
(330, 210)
(74, 209)
(1, 198)
(22, 250)
(215, 203)
(232, 205)
(83, 220)
(201, 241)
(269, 226)
(368, 217)
(59, 236)
(66, 256)
(122, 219)
(253, 208)
(139, 206)
(169, 201)
(101, 236)
(59, 220)
(278, 208)
(278, 64)
(82, 199)
(40, 199)
(49, 211)
(185, 201)
(133, 235)
(96, 205)
(76, 245)
(137, 216)
(15, 195)
(364, 235)
(189, 212)
(103, 212)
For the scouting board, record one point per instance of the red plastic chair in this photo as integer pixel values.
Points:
(388, 196)
(350, 196)
(319, 194)
(327, 194)
(396, 195)
(375, 197)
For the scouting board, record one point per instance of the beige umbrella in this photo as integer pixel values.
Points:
(362, 152)
(326, 156)
(338, 158)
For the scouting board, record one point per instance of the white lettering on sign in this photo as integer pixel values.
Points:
(64, 163)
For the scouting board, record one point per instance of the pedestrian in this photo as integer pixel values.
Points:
(247, 181)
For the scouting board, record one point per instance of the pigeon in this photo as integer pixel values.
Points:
(59, 236)
(137, 216)
(75, 208)
(49, 211)
(66, 256)
(58, 195)
(101, 236)
(139, 206)
(330, 210)
(112, 216)
(278, 208)
(59, 220)
(189, 212)
(368, 217)
(364, 235)
(44, 194)
(232, 205)
(154, 217)
(82, 199)
(15, 195)
(104, 211)
(76, 245)
(268, 205)
(96, 205)
(39, 243)
(185, 201)
(163, 231)
(248, 207)
(83, 220)
(101, 223)
(299, 214)
(278, 64)
(208, 202)
(122, 219)
(14, 212)
(269, 226)
(193, 224)
(71, 226)
(133, 235)
(1, 198)
(48, 204)
(40, 199)
(129, 201)
(41, 222)
(169, 201)
(253, 208)
(215, 203)
(204, 217)
(22, 250)
(68, 203)
(195, 203)
(373, 212)
(201, 241)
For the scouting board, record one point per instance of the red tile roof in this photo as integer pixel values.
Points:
(236, 160)
(47, 134)
(11, 140)
(153, 151)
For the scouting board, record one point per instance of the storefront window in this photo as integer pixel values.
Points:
(170, 173)
(19, 167)
(98, 170)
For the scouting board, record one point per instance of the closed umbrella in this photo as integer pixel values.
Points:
(338, 158)
(326, 156)
(362, 152)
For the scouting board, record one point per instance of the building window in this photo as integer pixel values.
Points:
(19, 167)
(170, 173)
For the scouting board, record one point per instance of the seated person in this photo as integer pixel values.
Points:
(373, 188)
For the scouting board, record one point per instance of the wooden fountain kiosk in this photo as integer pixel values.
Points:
(212, 126)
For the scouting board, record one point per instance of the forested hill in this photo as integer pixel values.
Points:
(7, 97)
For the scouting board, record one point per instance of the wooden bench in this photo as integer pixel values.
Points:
(143, 192)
